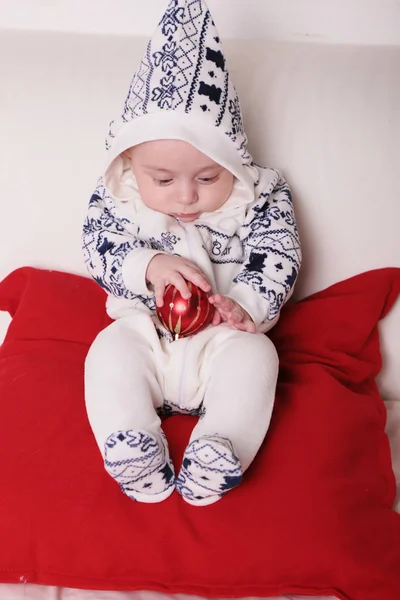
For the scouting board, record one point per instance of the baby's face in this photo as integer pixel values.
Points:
(176, 179)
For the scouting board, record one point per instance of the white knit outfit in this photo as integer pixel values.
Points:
(248, 250)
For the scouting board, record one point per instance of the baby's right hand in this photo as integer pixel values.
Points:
(164, 269)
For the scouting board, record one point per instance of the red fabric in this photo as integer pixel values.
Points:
(313, 515)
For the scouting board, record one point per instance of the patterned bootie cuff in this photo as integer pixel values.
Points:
(209, 470)
(140, 463)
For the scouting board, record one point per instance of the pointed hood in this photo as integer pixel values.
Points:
(182, 90)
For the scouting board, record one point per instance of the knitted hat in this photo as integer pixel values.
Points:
(182, 90)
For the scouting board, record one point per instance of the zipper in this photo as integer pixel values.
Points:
(185, 358)
(182, 385)
(188, 239)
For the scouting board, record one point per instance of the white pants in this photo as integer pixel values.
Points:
(231, 375)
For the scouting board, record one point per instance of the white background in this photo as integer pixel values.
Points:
(334, 21)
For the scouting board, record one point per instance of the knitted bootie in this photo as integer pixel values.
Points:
(209, 470)
(140, 463)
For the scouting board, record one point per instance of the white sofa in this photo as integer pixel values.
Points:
(327, 116)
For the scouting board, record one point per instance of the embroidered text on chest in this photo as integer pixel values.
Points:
(221, 247)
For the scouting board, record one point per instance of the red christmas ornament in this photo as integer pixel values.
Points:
(183, 317)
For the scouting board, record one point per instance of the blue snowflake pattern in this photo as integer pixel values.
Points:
(168, 242)
(164, 94)
(172, 18)
(167, 57)
(273, 253)
(235, 110)
(106, 244)
(156, 244)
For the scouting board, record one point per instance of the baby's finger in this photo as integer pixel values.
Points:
(215, 299)
(238, 326)
(234, 325)
(191, 265)
(179, 282)
(223, 303)
(247, 326)
(197, 278)
(251, 327)
(231, 321)
(216, 319)
(237, 314)
(228, 305)
(159, 294)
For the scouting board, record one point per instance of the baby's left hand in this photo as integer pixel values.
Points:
(230, 312)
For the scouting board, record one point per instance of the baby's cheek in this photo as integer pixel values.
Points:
(156, 199)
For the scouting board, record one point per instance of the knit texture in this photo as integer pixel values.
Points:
(184, 70)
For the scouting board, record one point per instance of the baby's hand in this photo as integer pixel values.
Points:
(164, 269)
(231, 313)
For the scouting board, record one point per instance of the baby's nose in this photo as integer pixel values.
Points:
(188, 195)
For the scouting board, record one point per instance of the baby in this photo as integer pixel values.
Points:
(181, 200)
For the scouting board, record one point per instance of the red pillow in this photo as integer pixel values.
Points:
(313, 515)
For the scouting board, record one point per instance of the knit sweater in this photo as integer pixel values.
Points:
(248, 249)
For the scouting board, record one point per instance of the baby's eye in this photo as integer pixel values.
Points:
(208, 179)
(163, 181)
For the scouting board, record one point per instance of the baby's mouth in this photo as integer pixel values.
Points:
(186, 216)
